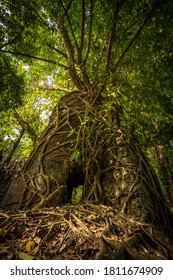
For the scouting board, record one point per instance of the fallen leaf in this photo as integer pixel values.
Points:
(37, 240)
(2, 232)
(24, 256)
(23, 240)
(30, 245)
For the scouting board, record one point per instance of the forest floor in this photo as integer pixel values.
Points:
(83, 231)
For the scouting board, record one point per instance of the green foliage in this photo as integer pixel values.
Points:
(123, 47)
(77, 194)
(12, 87)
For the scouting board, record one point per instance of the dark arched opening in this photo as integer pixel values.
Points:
(74, 180)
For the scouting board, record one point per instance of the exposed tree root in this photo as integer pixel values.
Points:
(84, 231)
(123, 213)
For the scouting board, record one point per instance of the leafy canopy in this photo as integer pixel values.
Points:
(120, 49)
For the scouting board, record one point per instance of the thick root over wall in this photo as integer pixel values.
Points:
(86, 231)
(123, 213)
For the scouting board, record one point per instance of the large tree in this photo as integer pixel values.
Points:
(111, 59)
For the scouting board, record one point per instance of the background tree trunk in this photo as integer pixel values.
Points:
(164, 165)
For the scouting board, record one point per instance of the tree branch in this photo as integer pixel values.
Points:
(66, 40)
(70, 53)
(89, 32)
(40, 19)
(70, 25)
(58, 51)
(26, 126)
(28, 55)
(82, 32)
(111, 36)
(10, 42)
(55, 89)
(135, 36)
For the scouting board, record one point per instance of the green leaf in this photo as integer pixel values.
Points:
(71, 133)
(24, 256)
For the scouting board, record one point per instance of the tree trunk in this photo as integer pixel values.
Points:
(6, 160)
(83, 145)
(164, 165)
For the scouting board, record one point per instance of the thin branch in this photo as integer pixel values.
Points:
(63, 66)
(7, 44)
(28, 55)
(67, 7)
(89, 31)
(133, 21)
(111, 36)
(26, 126)
(135, 36)
(66, 40)
(109, 42)
(83, 17)
(163, 132)
(10, 42)
(40, 19)
(55, 89)
(58, 51)
(70, 53)
(70, 25)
